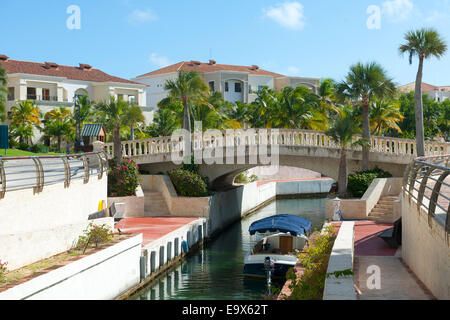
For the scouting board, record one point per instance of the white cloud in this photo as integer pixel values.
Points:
(142, 16)
(442, 13)
(398, 10)
(288, 14)
(159, 61)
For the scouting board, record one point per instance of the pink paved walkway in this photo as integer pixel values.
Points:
(152, 228)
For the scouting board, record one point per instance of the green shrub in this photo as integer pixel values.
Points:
(359, 182)
(123, 178)
(315, 261)
(94, 235)
(38, 148)
(188, 184)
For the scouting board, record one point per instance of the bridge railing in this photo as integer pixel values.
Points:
(427, 180)
(282, 137)
(35, 172)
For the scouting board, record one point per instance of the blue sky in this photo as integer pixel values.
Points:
(317, 38)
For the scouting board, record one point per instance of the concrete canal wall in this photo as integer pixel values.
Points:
(99, 276)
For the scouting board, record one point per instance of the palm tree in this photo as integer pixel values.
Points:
(363, 84)
(59, 128)
(3, 93)
(188, 87)
(164, 123)
(385, 116)
(60, 113)
(133, 117)
(82, 114)
(342, 132)
(23, 118)
(113, 114)
(423, 43)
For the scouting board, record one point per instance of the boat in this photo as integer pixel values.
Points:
(279, 240)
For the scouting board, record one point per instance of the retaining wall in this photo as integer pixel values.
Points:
(99, 276)
(38, 226)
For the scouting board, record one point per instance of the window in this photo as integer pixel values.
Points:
(249, 89)
(260, 88)
(120, 97)
(10, 93)
(211, 86)
(226, 87)
(31, 93)
(237, 87)
(132, 99)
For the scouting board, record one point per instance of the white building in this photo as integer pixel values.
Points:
(438, 93)
(236, 83)
(51, 85)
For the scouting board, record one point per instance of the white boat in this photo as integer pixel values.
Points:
(279, 240)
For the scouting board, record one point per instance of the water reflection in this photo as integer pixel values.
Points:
(216, 272)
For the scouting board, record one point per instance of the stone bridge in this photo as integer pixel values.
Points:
(223, 155)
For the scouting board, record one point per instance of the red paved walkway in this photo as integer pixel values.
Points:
(152, 228)
(367, 240)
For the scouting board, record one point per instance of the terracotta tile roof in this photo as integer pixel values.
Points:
(425, 87)
(84, 72)
(212, 66)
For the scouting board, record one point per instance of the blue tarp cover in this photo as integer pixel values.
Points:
(295, 225)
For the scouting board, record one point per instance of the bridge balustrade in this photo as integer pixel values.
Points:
(281, 137)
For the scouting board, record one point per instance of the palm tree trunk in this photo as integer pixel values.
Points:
(59, 143)
(117, 144)
(420, 136)
(186, 116)
(132, 132)
(366, 135)
(342, 175)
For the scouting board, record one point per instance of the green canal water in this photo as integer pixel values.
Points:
(216, 271)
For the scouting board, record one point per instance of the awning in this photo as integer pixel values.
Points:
(285, 223)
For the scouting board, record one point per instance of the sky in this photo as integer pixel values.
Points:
(310, 38)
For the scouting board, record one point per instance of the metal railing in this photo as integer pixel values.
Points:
(427, 180)
(35, 172)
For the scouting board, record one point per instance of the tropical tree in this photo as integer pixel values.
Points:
(423, 43)
(3, 93)
(263, 108)
(133, 117)
(164, 123)
(113, 114)
(188, 88)
(24, 117)
(342, 132)
(83, 113)
(385, 116)
(60, 128)
(58, 114)
(363, 84)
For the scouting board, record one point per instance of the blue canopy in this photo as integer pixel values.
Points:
(285, 223)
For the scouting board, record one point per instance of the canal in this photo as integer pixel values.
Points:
(216, 271)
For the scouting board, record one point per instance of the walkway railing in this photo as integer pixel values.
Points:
(427, 180)
(282, 137)
(35, 172)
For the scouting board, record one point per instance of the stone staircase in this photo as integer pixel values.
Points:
(155, 205)
(384, 210)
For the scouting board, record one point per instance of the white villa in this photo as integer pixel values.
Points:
(51, 85)
(438, 93)
(236, 83)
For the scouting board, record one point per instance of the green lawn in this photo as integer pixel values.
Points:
(21, 153)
